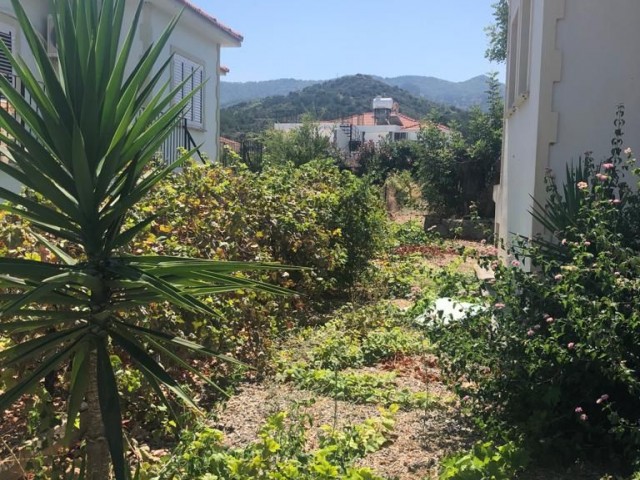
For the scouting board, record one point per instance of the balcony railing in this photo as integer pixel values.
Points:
(179, 138)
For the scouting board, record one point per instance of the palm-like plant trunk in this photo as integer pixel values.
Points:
(98, 459)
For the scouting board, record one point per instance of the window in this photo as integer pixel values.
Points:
(519, 55)
(400, 136)
(7, 36)
(523, 49)
(186, 69)
(513, 62)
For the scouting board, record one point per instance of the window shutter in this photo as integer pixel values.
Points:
(6, 36)
(183, 69)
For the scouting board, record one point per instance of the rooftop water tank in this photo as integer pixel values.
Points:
(383, 103)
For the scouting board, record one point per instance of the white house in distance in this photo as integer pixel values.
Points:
(196, 43)
(570, 64)
(383, 123)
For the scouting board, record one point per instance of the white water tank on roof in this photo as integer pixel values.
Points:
(383, 103)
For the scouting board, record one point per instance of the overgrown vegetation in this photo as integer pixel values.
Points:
(330, 100)
(456, 168)
(552, 363)
(279, 452)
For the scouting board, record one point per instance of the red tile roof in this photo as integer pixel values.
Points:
(232, 144)
(211, 19)
(406, 123)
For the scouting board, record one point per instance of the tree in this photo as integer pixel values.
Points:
(298, 146)
(457, 170)
(497, 33)
(85, 146)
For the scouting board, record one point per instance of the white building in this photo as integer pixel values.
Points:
(570, 64)
(196, 43)
(383, 123)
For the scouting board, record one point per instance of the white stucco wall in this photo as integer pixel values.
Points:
(600, 69)
(517, 178)
(583, 63)
(194, 37)
(37, 10)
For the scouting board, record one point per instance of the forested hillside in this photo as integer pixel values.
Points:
(329, 100)
(232, 93)
(464, 94)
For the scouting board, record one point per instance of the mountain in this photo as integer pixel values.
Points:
(232, 93)
(329, 100)
(460, 94)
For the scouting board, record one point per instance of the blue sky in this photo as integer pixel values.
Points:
(310, 39)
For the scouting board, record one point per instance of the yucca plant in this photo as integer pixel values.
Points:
(84, 145)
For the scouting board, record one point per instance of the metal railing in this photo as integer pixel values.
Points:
(179, 138)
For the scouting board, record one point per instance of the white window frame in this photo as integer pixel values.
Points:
(183, 67)
(519, 57)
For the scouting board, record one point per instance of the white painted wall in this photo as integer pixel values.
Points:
(600, 69)
(517, 178)
(584, 62)
(372, 133)
(194, 38)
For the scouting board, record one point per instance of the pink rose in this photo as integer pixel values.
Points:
(603, 398)
(550, 320)
(584, 417)
(628, 151)
(602, 177)
(571, 345)
(587, 243)
(558, 277)
(499, 306)
(582, 185)
(515, 263)
(530, 333)
(578, 410)
(607, 166)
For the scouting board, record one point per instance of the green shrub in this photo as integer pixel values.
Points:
(556, 358)
(314, 216)
(410, 233)
(299, 146)
(279, 453)
(485, 461)
(379, 161)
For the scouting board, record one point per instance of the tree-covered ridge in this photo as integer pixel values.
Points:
(232, 93)
(333, 99)
(464, 94)
(467, 94)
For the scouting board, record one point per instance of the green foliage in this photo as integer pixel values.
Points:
(497, 33)
(437, 170)
(85, 147)
(459, 94)
(457, 170)
(314, 216)
(329, 100)
(352, 340)
(365, 388)
(279, 453)
(554, 359)
(298, 146)
(485, 461)
(379, 161)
